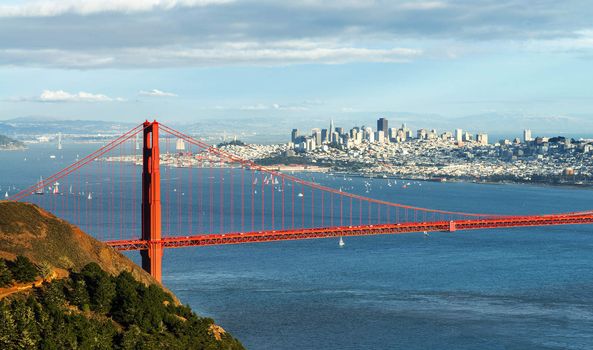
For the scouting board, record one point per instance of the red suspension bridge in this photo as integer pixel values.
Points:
(193, 194)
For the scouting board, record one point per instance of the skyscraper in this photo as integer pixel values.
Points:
(382, 125)
(324, 136)
(459, 135)
(294, 135)
(527, 135)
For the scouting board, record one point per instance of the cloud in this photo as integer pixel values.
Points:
(63, 96)
(303, 106)
(157, 93)
(424, 5)
(88, 7)
(220, 54)
(128, 34)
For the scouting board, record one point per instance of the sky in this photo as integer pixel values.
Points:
(198, 60)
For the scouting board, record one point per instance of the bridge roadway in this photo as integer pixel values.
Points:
(364, 230)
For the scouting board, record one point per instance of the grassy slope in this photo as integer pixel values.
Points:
(28, 230)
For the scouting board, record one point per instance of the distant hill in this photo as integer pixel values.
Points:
(44, 125)
(7, 143)
(62, 289)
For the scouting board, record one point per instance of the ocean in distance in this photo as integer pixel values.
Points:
(528, 288)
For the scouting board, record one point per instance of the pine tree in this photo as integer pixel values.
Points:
(8, 330)
(5, 274)
(22, 269)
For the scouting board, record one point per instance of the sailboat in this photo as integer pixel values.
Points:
(56, 189)
(90, 196)
(39, 190)
(341, 242)
(6, 195)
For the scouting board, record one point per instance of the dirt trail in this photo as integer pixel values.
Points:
(19, 287)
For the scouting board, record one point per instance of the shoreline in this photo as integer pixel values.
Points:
(325, 170)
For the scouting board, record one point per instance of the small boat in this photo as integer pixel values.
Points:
(300, 194)
(426, 234)
(52, 156)
(341, 242)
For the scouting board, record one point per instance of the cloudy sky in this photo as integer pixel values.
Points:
(187, 60)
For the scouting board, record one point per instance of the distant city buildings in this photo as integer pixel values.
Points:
(337, 136)
(382, 126)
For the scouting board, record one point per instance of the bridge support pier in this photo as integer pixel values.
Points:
(151, 201)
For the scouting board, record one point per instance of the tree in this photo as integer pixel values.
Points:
(22, 269)
(45, 270)
(78, 294)
(5, 274)
(100, 286)
(8, 331)
(126, 307)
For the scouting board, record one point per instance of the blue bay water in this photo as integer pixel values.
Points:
(527, 288)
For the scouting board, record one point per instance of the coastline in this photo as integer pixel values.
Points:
(326, 170)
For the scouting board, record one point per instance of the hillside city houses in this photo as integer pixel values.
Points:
(458, 154)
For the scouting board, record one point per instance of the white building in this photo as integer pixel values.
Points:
(459, 135)
(482, 138)
(527, 135)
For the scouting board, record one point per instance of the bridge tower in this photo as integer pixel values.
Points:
(151, 201)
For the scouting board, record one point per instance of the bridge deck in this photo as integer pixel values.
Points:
(364, 230)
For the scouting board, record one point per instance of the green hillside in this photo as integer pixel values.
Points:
(62, 289)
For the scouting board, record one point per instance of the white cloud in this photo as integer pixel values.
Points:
(424, 5)
(215, 54)
(273, 106)
(49, 8)
(63, 96)
(581, 40)
(157, 93)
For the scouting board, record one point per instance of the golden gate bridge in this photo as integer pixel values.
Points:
(199, 195)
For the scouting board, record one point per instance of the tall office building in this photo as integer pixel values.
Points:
(294, 135)
(331, 126)
(527, 135)
(382, 125)
(324, 136)
(316, 134)
(482, 138)
(459, 135)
